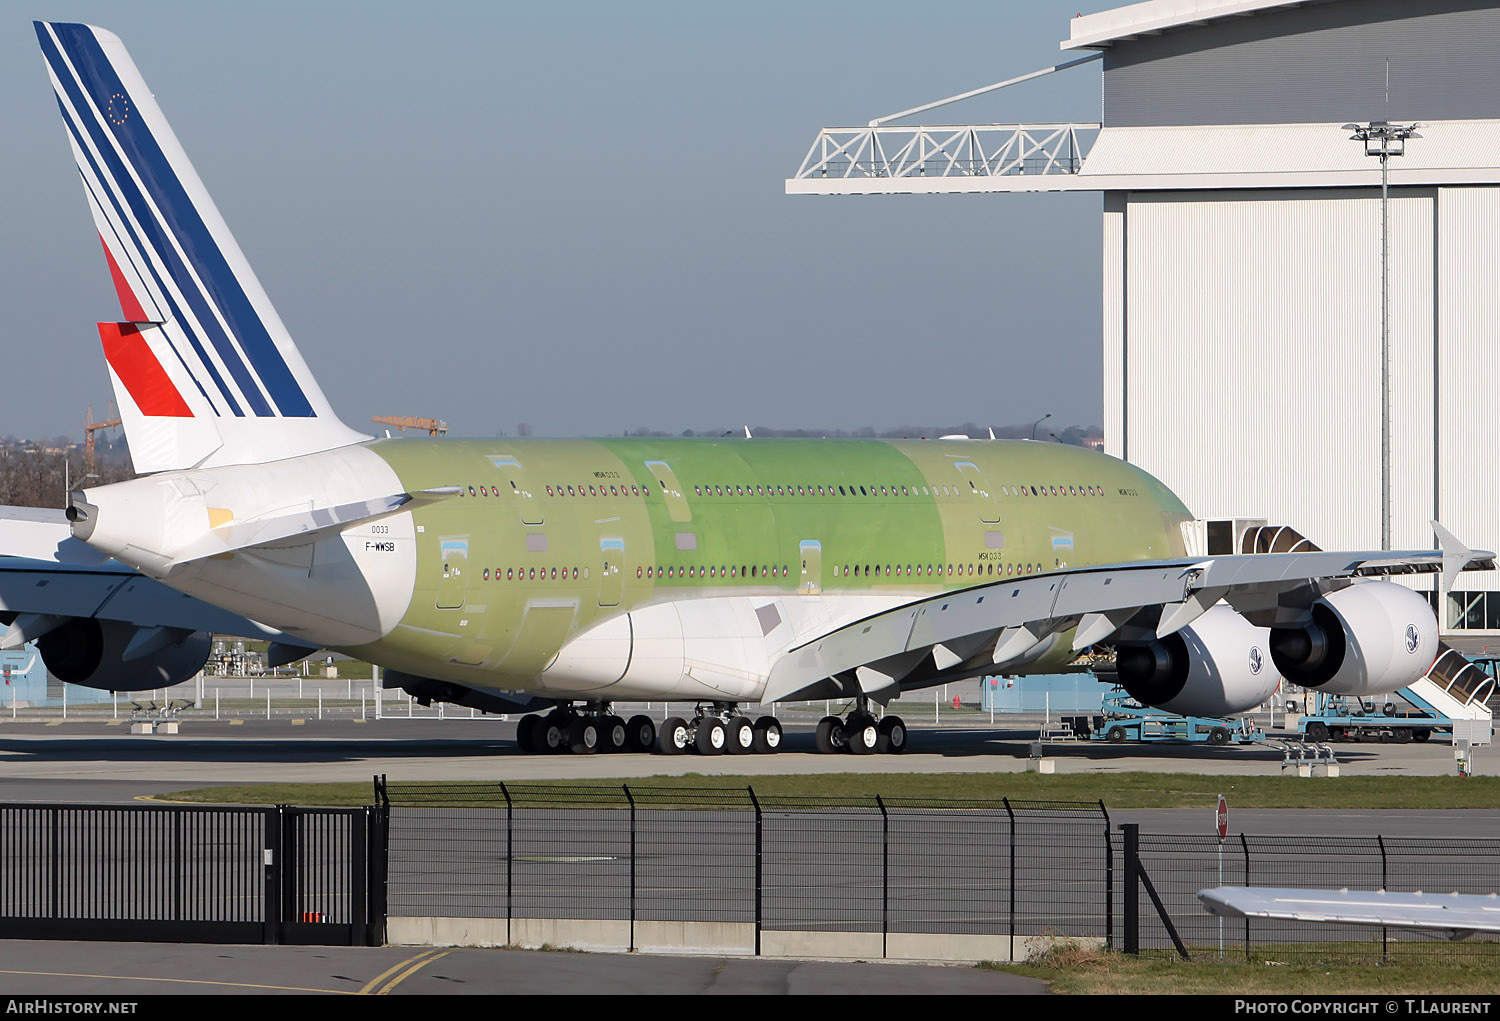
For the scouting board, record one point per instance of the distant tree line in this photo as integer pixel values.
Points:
(37, 473)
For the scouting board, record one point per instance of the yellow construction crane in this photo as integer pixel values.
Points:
(434, 427)
(89, 428)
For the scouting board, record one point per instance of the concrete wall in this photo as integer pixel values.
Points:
(715, 938)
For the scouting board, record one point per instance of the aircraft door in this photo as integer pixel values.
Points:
(811, 552)
(612, 574)
(975, 485)
(453, 585)
(516, 490)
(666, 483)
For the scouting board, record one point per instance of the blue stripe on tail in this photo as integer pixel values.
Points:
(182, 220)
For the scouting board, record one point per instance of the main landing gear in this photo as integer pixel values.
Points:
(717, 728)
(861, 733)
(584, 730)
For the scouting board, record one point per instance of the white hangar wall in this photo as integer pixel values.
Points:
(1242, 356)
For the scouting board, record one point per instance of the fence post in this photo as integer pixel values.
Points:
(510, 859)
(1011, 815)
(1246, 845)
(359, 877)
(628, 797)
(885, 878)
(1132, 898)
(380, 869)
(1109, 881)
(178, 866)
(759, 875)
(1385, 934)
(56, 859)
(272, 865)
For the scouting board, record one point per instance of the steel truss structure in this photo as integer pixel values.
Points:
(848, 161)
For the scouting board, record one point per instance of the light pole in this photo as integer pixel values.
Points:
(1384, 139)
(1039, 422)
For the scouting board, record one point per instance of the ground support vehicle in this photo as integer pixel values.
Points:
(1123, 720)
(1343, 718)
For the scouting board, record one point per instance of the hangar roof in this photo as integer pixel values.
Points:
(1121, 24)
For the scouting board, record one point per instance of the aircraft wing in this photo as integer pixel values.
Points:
(1456, 915)
(980, 629)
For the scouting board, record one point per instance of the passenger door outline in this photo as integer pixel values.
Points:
(810, 552)
(973, 476)
(612, 574)
(671, 490)
(530, 509)
(453, 584)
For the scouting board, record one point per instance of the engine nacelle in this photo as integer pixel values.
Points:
(1217, 666)
(1367, 639)
(92, 653)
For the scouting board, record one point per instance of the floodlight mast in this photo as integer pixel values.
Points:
(1384, 140)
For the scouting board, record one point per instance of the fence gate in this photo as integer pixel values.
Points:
(189, 874)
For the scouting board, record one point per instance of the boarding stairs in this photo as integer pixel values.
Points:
(1458, 690)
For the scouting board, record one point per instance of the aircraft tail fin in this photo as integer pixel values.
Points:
(204, 371)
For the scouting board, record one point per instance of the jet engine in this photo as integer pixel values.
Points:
(114, 656)
(1367, 639)
(1217, 666)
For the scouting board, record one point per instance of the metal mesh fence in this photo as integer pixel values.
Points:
(877, 865)
(1179, 866)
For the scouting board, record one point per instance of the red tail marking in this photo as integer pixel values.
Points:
(130, 307)
(131, 358)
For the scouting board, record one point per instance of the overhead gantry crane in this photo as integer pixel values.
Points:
(434, 427)
(89, 428)
(885, 159)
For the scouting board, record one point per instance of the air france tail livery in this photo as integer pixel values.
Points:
(571, 574)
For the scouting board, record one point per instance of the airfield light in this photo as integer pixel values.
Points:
(1382, 139)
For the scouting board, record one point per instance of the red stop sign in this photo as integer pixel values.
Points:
(1221, 818)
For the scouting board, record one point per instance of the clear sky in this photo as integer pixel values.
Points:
(571, 214)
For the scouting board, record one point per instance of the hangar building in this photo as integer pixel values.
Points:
(1242, 248)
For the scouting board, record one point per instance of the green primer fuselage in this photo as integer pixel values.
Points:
(551, 537)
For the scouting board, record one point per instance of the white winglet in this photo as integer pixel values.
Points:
(1456, 555)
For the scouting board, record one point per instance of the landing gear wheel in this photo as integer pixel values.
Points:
(526, 733)
(712, 736)
(550, 733)
(861, 733)
(612, 734)
(1218, 736)
(1115, 735)
(740, 738)
(583, 736)
(1317, 731)
(640, 734)
(892, 730)
(672, 739)
(767, 735)
(830, 735)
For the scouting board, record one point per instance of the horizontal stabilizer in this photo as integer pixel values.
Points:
(303, 527)
(1455, 915)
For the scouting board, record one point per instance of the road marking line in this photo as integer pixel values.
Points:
(421, 958)
(409, 972)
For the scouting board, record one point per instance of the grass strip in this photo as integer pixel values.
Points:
(1116, 790)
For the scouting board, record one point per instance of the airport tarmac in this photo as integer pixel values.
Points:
(346, 750)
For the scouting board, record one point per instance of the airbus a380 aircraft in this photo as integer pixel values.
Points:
(574, 573)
